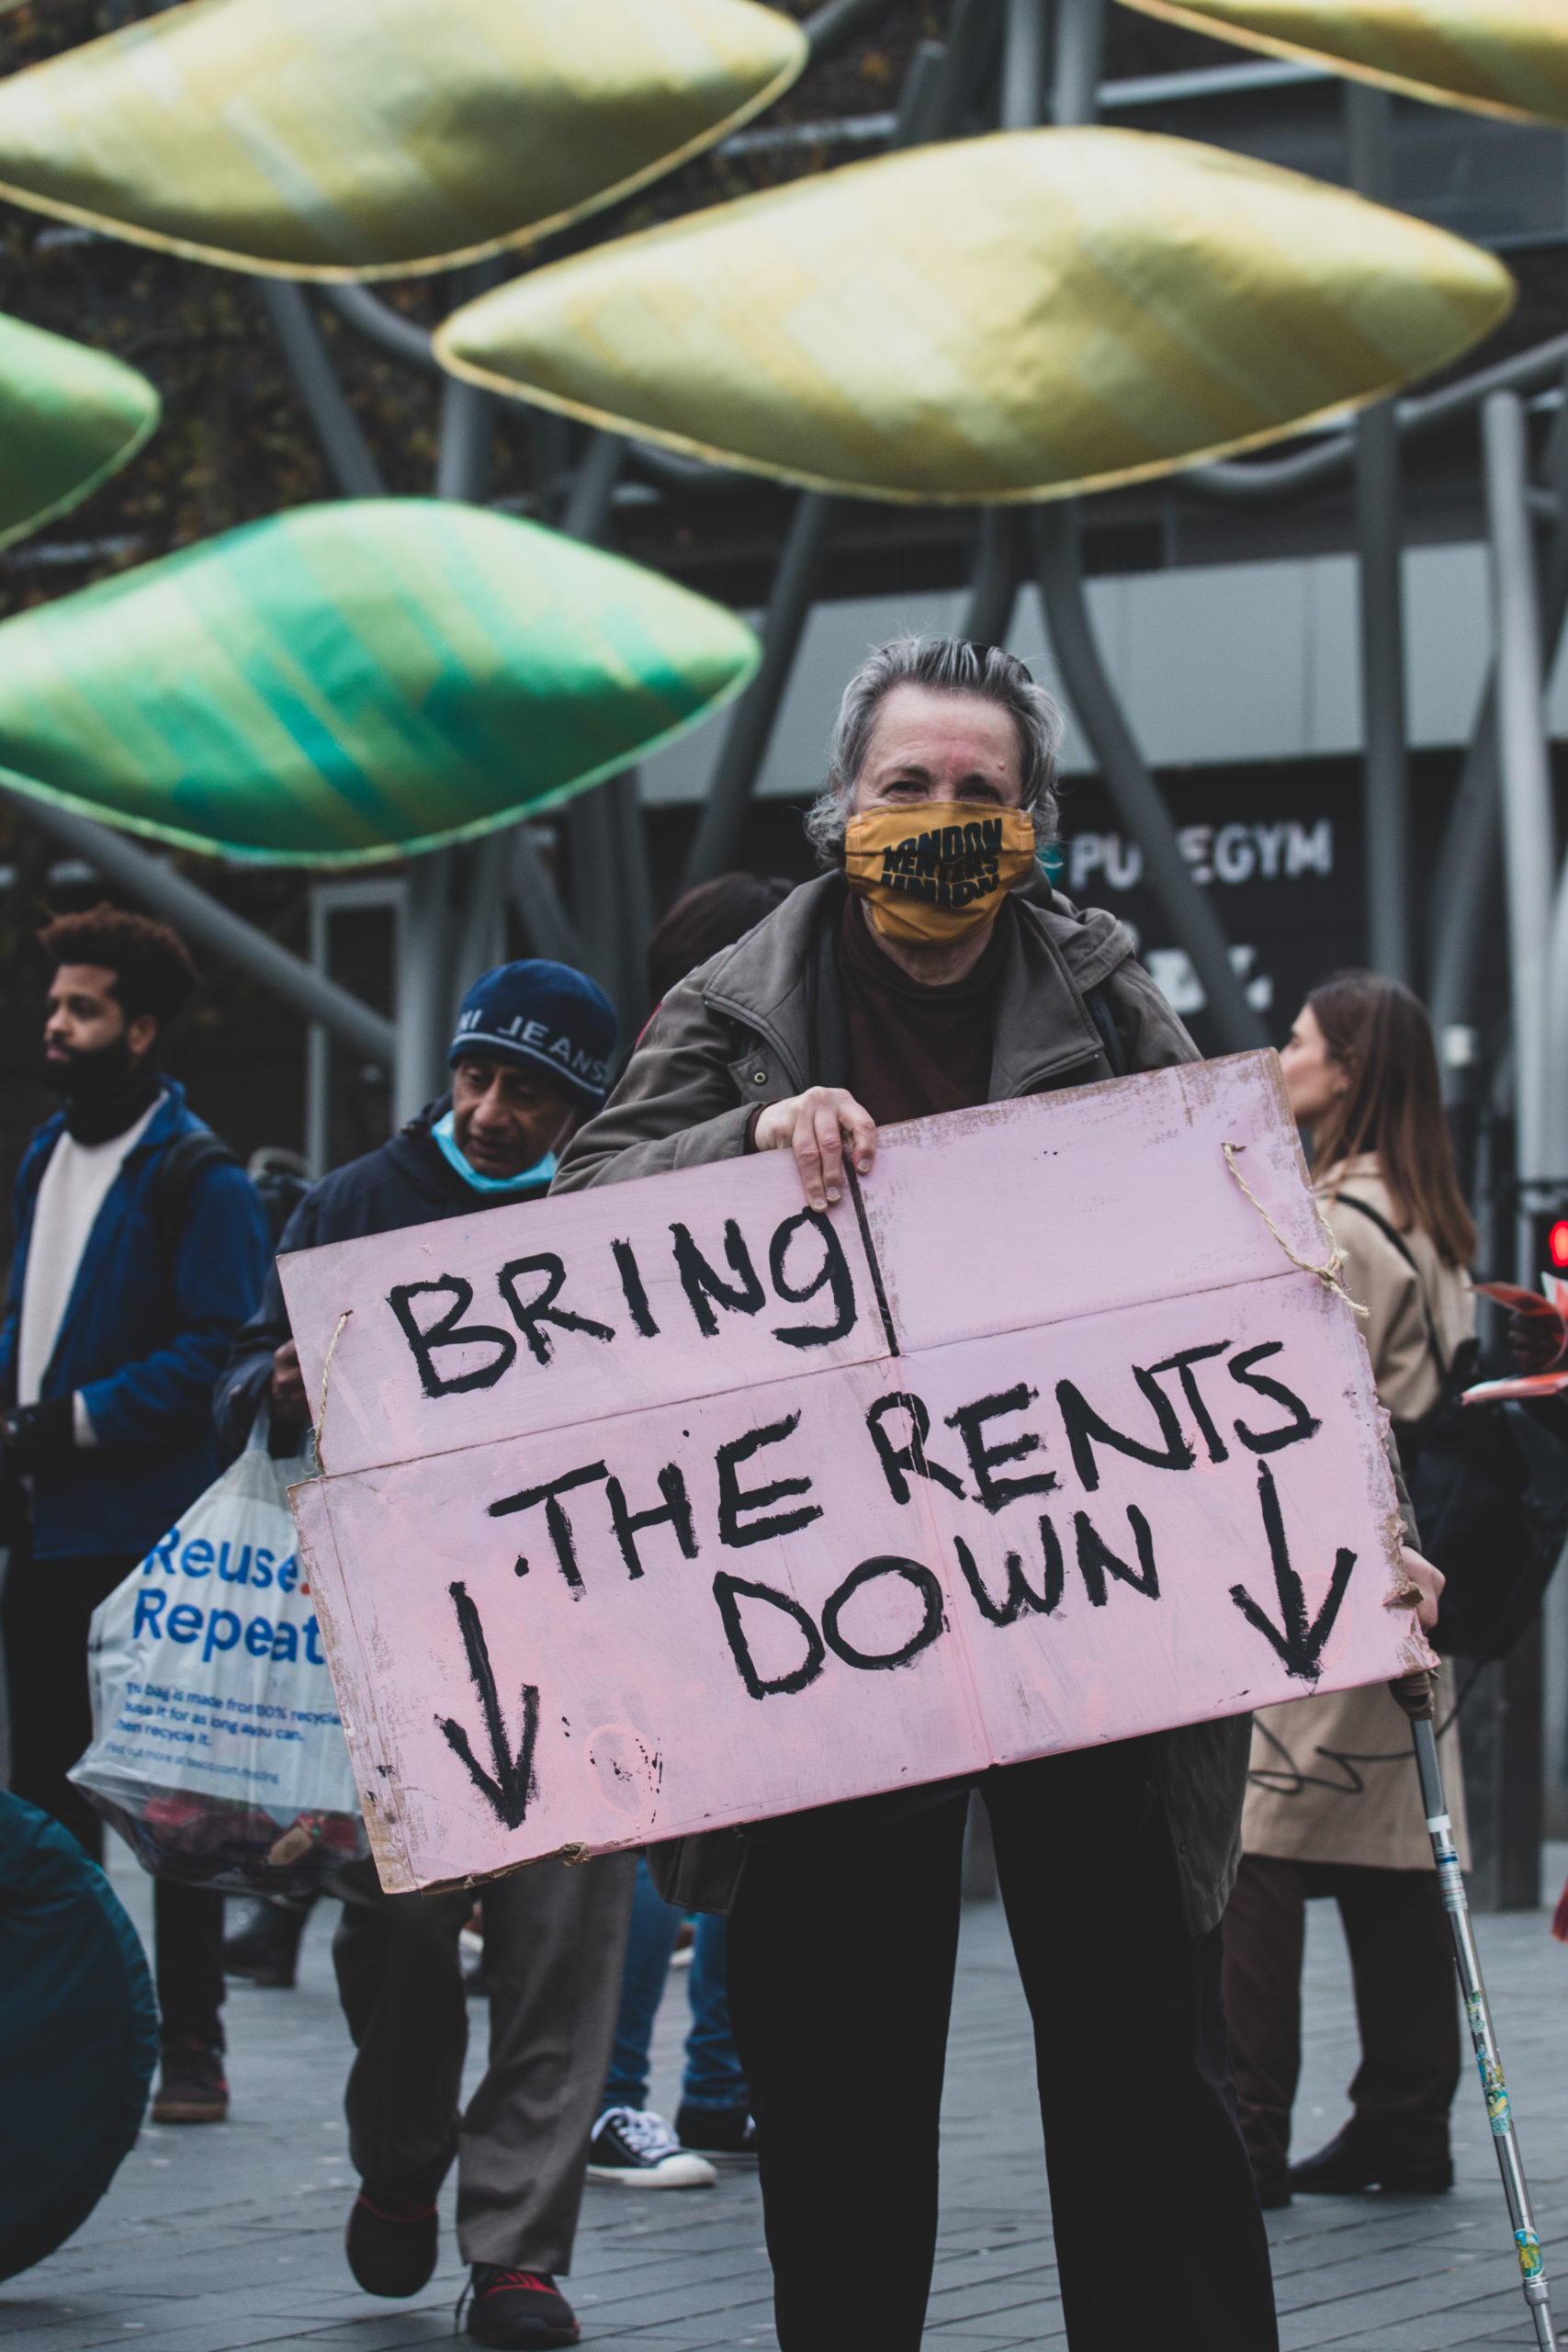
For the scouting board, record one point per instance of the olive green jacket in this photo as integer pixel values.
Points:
(1074, 1006)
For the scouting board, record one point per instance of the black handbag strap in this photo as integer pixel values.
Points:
(1349, 1199)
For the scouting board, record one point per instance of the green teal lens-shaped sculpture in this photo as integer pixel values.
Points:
(69, 418)
(1006, 318)
(346, 683)
(1498, 57)
(377, 138)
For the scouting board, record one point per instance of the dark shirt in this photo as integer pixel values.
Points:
(915, 1050)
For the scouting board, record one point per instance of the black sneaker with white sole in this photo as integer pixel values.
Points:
(635, 2147)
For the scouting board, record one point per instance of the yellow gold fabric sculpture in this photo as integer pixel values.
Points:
(1006, 318)
(69, 418)
(375, 137)
(1502, 57)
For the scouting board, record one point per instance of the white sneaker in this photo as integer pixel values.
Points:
(637, 2148)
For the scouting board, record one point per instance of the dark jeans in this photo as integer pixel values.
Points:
(1401, 1960)
(45, 1612)
(841, 1959)
(713, 2078)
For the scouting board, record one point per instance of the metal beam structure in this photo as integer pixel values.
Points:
(1525, 774)
(612, 888)
(1059, 559)
(1194, 924)
(1074, 76)
(1024, 62)
(1266, 480)
(1385, 780)
(200, 917)
(717, 842)
(337, 428)
(1468, 876)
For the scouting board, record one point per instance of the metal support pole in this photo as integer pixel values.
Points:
(832, 27)
(200, 918)
(1484, 2038)
(612, 888)
(1075, 86)
(1467, 880)
(613, 894)
(369, 316)
(337, 428)
(423, 998)
(1468, 871)
(1385, 814)
(993, 592)
(1385, 785)
(551, 931)
(1023, 63)
(717, 842)
(1080, 27)
(1526, 776)
(1131, 787)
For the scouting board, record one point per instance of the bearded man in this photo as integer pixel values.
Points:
(931, 969)
(142, 1247)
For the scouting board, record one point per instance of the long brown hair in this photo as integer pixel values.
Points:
(1379, 1034)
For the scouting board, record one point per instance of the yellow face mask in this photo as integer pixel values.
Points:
(939, 872)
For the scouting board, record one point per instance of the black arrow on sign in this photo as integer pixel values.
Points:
(1299, 1643)
(514, 1783)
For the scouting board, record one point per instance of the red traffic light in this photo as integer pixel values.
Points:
(1557, 1242)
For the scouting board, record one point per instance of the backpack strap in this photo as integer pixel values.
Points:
(174, 1181)
(1349, 1199)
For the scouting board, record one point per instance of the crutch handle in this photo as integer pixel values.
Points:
(1416, 1693)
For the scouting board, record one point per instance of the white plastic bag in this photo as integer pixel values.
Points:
(217, 1751)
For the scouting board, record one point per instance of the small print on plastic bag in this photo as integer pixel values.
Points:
(217, 1750)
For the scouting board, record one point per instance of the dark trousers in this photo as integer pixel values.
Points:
(1402, 1961)
(841, 1960)
(45, 1613)
(555, 1938)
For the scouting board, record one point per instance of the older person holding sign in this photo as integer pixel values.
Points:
(916, 977)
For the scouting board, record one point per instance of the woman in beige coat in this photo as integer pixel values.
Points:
(1333, 1803)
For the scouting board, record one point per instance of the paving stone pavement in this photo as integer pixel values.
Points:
(217, 2238)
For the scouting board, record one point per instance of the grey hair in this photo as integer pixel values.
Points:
(947, 665)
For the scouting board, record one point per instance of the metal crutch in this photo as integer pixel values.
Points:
(1468, 1963)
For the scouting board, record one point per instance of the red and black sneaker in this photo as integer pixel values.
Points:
(519, 2309)
(391, 2241)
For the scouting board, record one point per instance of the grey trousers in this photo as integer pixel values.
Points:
(555, 1941)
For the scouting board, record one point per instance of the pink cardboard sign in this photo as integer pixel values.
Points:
(668, 1506)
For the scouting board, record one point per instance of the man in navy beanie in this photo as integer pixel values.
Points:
(530, 1061)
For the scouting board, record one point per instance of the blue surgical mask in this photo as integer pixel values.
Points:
(506, 1188)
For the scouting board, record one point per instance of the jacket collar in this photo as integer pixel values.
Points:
(164, 1124)
(1053, 953)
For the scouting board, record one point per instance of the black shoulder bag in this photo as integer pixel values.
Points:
(1490, 1492)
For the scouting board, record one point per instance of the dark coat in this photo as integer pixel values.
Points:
(146, 1331)
(743, 1031)
(405, 1181)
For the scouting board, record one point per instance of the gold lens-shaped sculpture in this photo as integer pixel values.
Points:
(1498, 57)
(1006, 318)
(379, 138)
(69, 418)
(349, 683)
